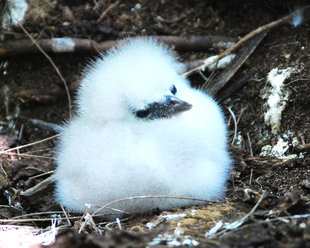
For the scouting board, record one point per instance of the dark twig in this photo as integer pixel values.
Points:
(71, 45)
(250, 35)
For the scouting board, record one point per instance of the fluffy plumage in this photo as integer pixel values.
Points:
(108, 151)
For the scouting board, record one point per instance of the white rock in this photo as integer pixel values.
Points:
(15, 13)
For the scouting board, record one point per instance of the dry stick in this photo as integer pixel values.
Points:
(41, 185)
(30, 144)
(11, 207)
(108, 224)
(53, 64)
(247, 216)
(5, 174)
(98, 3)
(240, 222)
(86, 220)
(45, 125)
(292, 217)
(111, 7)
(14, 220)
(42, 174)
(250, 144)
(34, 220)
(195, 43)
(38, 213)
(244, 39)
(74, 45)
(149, 197)
(251, 176)
(25, 155)
(221, 80)
(235, 123)
(65, 213)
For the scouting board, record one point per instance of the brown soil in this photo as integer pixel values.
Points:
(31, 89)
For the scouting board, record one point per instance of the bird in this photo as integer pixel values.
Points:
(140, 129)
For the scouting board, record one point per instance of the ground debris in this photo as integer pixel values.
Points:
(31, 89)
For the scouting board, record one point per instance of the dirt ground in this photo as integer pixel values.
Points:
(267, 202)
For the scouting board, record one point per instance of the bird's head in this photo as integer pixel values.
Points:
(137, 80)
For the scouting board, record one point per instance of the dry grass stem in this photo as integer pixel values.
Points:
(84, 217)
(41, 175)
(34, 214)
(66, 215)
(241, 112)
(107, 10)
(235, 124)
(25, 155)
(247, 216)
(250, 144)
(181, 43)
(30, 144)
(41, 185)
(293, 217)
(236, 224)
(4, 172)
(31, 220)
(251, 176)
(7, 206)
(53, 64)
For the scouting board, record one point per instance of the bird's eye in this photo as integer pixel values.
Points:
(173, 89)
(142, 113)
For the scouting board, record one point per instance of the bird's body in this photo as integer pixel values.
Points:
(133, 137)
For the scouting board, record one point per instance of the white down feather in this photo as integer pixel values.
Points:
(107, 153)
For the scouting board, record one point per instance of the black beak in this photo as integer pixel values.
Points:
(165, 109)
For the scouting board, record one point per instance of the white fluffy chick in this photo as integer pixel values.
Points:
(141, 130)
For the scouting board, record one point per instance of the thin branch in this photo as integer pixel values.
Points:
(83, 217)
(11, 207)
(38, 213)
(66, 215)
(247, 216)
(53, 64)
(220, 81)
(239, 223)
(250, 144)
(250, 35)
(41, 185)
(30, 144)
(235, 124)
(107, 10)
(17, 220)
(45, 125)
(79, 45)
(25, 155)
(41, 175)
(292, 217)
